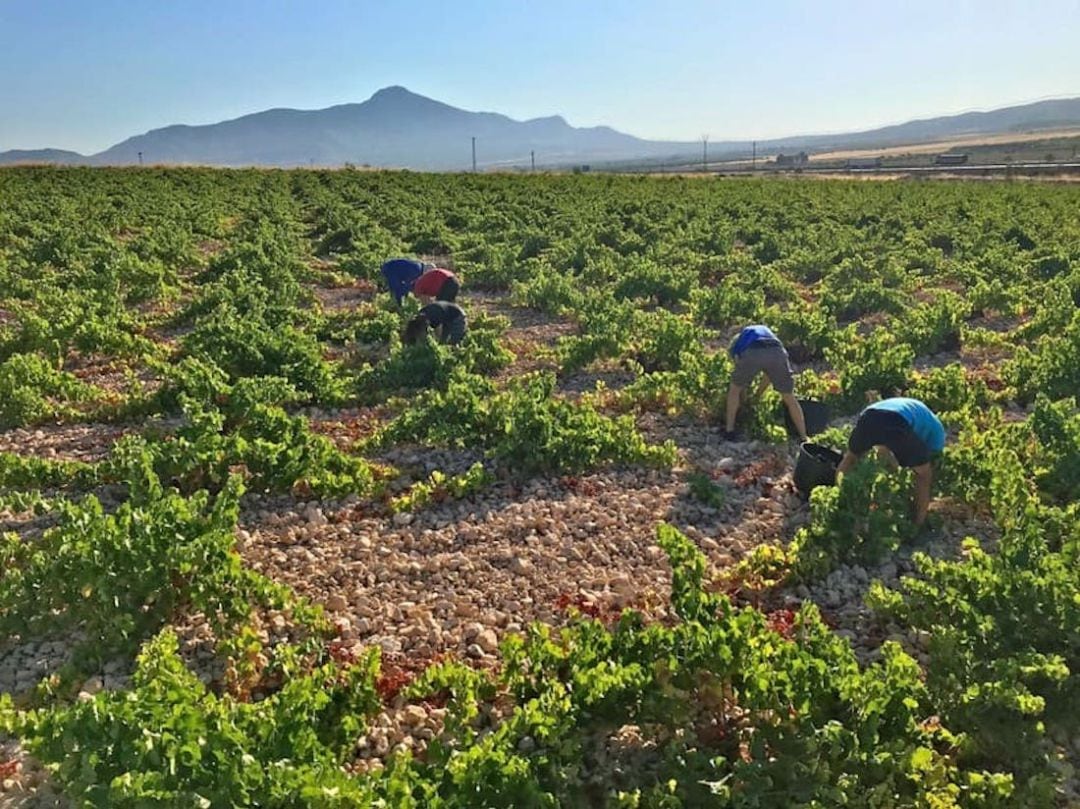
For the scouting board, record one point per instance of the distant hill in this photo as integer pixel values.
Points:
(398, 128)
(1044, 115)
(29, 156)
(393, 128)
(1054, 114)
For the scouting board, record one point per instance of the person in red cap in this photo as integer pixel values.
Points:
(436, 284)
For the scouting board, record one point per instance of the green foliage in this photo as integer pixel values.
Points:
(549, 291)
(857, 288)
(1057, 428)
(948, 389)
(860, 521)
(877, 364)
(1004, 632)
(706, 490)
(242, 346)
(1050, 366)
(431, 365)
(365, 324)
(806, 331)
(728, 304)
(984, 445)
(654, 282)
(28, 471)
(607, 331)
(935, 326)
(174, 742)
(663, 341)
(525, 427)
(698, 388)
(738, 709)
(32, 390)
(245, 429)
(119, 577)
(439, 487)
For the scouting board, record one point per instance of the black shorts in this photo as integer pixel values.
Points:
(449, 290)
(888, 429)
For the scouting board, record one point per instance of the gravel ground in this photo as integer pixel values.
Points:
(68, 442)
(455, 576)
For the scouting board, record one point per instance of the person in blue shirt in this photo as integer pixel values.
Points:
(910, 432)
(401, 274)
(757, 350)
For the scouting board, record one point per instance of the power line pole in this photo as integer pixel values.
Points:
(704, 153)
(474, 154)
(532, 157)
(753, 159)
(140, 158)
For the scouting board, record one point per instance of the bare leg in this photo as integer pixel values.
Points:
(797, 418)
(733, 396)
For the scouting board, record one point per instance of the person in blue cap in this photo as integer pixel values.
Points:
(757, 350)
(401, 274)
(910, 432)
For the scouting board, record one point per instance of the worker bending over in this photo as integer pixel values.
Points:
(436, 284)
(426, 281)
(448, 320)
(758, 350)
(907, 429)
(400, 275)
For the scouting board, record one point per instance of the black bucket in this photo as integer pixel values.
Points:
(816, 467)
(816, 415)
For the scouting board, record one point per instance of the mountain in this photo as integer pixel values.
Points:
(393, 128)
(29, 156)
(1040, 115)
(1053, 114)
(398, 128)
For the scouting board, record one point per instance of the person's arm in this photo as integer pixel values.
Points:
(848, 461)
(924, 476)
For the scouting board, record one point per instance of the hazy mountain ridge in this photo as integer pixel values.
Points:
(56, 156)
(398, 128)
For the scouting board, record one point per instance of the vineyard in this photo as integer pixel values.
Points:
(256, 551)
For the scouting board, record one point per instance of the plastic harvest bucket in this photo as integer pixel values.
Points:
(815, 414)
(816, 466)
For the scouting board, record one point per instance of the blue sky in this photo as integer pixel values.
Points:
(85, 74)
